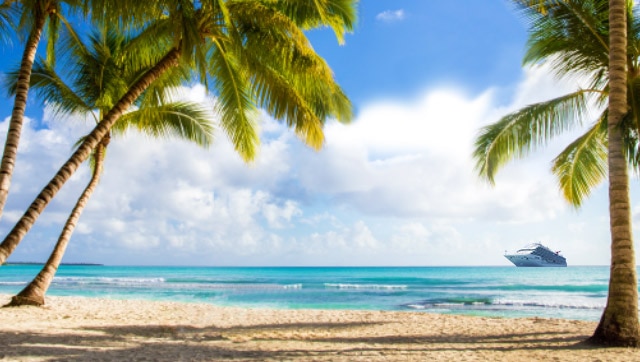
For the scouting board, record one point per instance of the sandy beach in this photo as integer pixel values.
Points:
(82, 329)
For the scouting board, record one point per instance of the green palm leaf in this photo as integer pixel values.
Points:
(235, 105)
(53, 30)
(123, 15)
(304, 70)
(283, 102)
(273, 28)
(634, 102)
(6, 25)
(289, 80)
(516, 134)
(100, 73)
(339, 15)
(583, 164)
(50, 86)
(573, 37)
(185, 120)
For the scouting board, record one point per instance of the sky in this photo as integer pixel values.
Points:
(395, 187)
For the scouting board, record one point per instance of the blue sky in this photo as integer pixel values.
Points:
(394, 187)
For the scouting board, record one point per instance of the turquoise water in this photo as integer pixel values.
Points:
(571, 293)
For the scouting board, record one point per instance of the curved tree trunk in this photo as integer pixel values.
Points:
(27, 220)
(619, 324)
(33, 293)
(19, 105)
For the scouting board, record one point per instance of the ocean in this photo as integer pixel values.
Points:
(570, 293)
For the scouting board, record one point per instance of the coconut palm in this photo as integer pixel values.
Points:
(34, 16)
(573, 37)
(619, 323)
(98, 76)
(250, 54)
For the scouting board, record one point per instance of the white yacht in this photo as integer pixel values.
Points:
(536, 255)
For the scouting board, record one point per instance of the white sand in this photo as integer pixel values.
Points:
(83, 329)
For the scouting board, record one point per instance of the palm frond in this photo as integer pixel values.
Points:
(29, 11)
(184, 15)
(149, 44)
(283, 102)
(274, 40)
(271, 27)
(290, 81)
(541, 6)
(633, 41)
(123, 15)
(516, 134)
(105, 68)
(315, 82)
(99, 75)
(339, 15)
(7, 12)
(634, 101)
(235, 104)
(220, 11)
(631, 141)
(185, 120)
(50, 86)
(573, 36)
(53, 30)
(326, 100)
(582, 165)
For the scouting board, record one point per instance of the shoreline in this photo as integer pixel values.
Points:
(81, 329)
(570, 293)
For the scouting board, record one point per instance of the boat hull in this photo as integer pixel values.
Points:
(534, 261)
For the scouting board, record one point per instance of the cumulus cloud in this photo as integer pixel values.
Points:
(396, 187)
(391, 15)
(413, 159)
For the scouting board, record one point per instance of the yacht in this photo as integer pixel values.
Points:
(536, 255)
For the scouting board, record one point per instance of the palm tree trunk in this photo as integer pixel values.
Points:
(19, 105)
(33, 293)
(27, 220)
(619, 325)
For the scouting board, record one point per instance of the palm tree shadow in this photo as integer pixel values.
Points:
(289, 341)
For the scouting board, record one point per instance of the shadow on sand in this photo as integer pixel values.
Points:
(291, 342)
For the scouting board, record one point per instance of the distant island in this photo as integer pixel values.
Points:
(40, 263)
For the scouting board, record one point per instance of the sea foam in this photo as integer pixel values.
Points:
(363, 286)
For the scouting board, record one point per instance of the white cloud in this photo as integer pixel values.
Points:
(395, 187)
(279, 215)
(413, 159)
(391, 15)
(40, 152)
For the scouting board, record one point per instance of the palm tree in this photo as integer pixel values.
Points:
(34, 17)
(619, 324)
(251, 54)
(35, 13)
(573, 37)
(98, 75)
